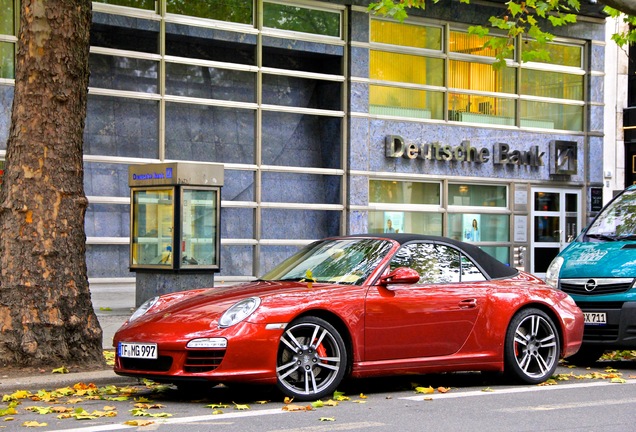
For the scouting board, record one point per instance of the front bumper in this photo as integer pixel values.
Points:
(250, 356)
(620, 330)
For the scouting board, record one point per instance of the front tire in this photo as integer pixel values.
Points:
(311, 360)
(532, 347)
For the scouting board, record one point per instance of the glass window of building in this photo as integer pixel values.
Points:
(404, 192)
(300, 19)
(408, 65)
(468, 222)
(7, 39)
(236, 11)
(139, 4)
(415, 70)
(477, 195)
(405, 206)
(407, 35)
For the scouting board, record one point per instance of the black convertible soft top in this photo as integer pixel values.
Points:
(494, 268)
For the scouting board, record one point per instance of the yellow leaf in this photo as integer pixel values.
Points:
(331, 403)
(39, 410)
(60, 370)
(288, 400)
(65, 391)
(327, 419)
(262, 402)
(21, 394)
(294, 407)
(443, 389)
(363, 396)
(241, 407)
(618, 381)
(34, 424)
(61, 409)
(109, 356)
(9, 419)
(110, 408)
(217, 411)
(318, 404)
(488, 389)
(138, 422)
(340, 396)
(425, 390)
(214, 406)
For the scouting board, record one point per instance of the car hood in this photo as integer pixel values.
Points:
(599, 259)
(199, 313)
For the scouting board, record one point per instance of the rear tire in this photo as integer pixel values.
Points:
(532, 347)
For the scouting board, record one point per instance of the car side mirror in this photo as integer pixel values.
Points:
(401, 275)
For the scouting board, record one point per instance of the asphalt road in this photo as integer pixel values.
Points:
(587, 400)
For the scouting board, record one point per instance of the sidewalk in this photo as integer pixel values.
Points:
(50, 381)
(110, 321)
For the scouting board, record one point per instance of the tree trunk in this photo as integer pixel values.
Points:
(46, 314)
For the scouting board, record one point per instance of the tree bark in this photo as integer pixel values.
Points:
(46, 314)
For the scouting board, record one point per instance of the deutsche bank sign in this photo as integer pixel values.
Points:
(501, 154)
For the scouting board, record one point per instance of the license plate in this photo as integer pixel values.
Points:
(595, 318)
(137, 350)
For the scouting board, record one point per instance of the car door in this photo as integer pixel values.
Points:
(431, 318)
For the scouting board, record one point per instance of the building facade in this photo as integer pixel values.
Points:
(329, 120)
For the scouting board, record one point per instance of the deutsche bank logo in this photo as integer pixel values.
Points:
(563, 157)
(168, 172)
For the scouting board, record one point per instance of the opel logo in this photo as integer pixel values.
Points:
(590, 285)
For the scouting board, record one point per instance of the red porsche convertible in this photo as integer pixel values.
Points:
(357, 306)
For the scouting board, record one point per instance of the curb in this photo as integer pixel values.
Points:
(49, 382)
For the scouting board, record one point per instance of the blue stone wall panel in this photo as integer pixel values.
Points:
(6, 103)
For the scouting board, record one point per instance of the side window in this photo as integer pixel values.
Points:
(436, 263)
(470, 272)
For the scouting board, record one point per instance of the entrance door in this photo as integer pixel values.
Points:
(556, 221)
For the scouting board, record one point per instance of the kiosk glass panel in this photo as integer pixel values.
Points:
(199, 224)
(152, 242)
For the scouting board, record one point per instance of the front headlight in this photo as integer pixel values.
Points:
(141, 310)
(239, 311)
(552, 274)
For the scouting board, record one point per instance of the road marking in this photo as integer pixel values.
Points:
(222, 418)
(333, 427)
(452, 395)
(596, 403)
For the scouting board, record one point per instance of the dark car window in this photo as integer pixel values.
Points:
(436, 263)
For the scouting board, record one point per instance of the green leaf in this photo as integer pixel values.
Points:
(514, 8)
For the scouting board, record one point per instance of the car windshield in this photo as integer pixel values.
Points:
(617, 221)
(343, 261)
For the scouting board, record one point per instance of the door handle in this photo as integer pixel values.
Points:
(468, 304)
